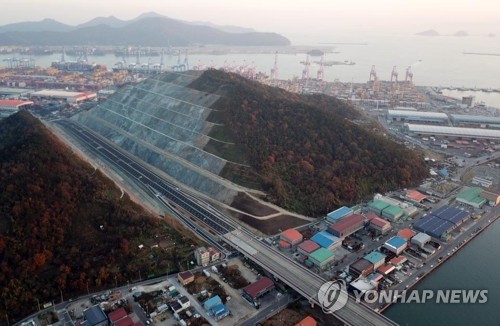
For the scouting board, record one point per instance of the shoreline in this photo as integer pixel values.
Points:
(445, 259)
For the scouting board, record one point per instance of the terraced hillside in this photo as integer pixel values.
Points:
(236, 140)
(164, 123)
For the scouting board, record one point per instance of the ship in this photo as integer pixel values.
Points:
(76, 66)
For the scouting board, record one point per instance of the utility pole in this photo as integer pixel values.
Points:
(88, 292)
(62, 299)
(7, 317)
(38, 304)
(115, 282)
(140, 278)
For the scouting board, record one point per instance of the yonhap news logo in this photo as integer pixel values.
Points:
(332, 296)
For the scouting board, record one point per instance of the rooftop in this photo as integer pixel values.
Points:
(347, 222)
(422, 237)
(117, 314)
(321, 255)
(474, 118)
(127, 321)
(415, 195)
(324, 239)
(393, 210)
(419, 114)
(378, 204)
(361, 264)
(339, 213)
(386, 269)
(396, 242)
(398, 260)
(490, 196)
(185, 275)
(406, 233)
(374, 257)
(309, 246)
(308, 321)
(472, 195)
(377, 221)
(457, 131)
(257, 287)
(94, 315)
(292, 235)
(14, 103)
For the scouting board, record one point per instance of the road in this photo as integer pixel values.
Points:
(304, 281)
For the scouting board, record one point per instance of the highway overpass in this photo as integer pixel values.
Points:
(290, 272)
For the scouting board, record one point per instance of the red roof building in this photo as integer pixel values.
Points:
(415, 196)
(347, 225)
(308, 321)
(386, 269)
(380, 225)
(291, 236)
(127, 321)
(406, 233)
(307, 247)
(370, 216)
(258, 288)
(14, 104)
(396, 261)
(116, 315)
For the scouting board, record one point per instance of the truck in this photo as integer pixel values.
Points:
(215, 270)
(207, 273)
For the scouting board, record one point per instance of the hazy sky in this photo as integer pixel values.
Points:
(288, 17)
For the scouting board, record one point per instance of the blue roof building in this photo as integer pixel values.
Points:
(212, 302)
(95, 316)
(376, 258)
(336, 215)
(326, 240)
(396, 244)
(220, 311)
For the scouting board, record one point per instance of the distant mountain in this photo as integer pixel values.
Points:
(429, 32)
(110, 21)
(50, 25)
(149, 30)
(461, 34)
(225, 28)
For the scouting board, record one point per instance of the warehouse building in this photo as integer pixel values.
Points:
(398, 261)
(376, 258)
(361, 267)
(258, 289)
(415, 196)
(377, 206)
(326, 240)
(492, 198)
(472, 197)
(396, 245)
(363, 285)
(421, 239)
(451, 214)
(483, 182)
(386, 269)
(347, 226)
(392, 213)
(475, 121)
(379, 225)
(434, 226)
(95, 316)
(436, 118)
(308, 321)
(70, 97)
(453, 132)
(321, 258)
(9, 107)
(336, 215)
(292, 236)
(308, 247)
(406, 233)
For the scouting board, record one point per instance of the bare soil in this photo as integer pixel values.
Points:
(272, 225)
(246, 204)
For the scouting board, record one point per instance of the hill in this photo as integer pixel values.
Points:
(39, 26)
(64, 226)
(307, 153)
(146, 30)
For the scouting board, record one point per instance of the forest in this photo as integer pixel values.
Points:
(64, 228)
(306, 151)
